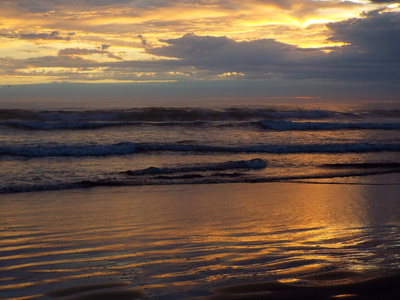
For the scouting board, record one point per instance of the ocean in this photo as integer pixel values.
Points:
(55, 149)
(261, 201)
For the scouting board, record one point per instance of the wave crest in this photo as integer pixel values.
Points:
(256, 163)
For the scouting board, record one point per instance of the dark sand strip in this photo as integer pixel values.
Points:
(380, 288)
(84, 288)
(126, 294)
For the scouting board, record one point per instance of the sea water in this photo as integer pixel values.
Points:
(179, 200)
(66, 148)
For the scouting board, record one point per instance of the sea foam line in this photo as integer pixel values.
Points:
(217, 177)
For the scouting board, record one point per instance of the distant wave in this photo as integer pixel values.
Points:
(40, 125)
(267, 118)
(290, 125)
(230, 165)
(159, 114)
(265, 124)
(69, 150)
(131, 148)
(45, 125)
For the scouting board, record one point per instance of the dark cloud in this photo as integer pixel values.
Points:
(372, 53)
(384, 1)
(82, 52)
(374, 38)
(29, 51)
(144, 41)
(54, 35)
(43, 6)
(12, 66)
(149, 3)
(210, 52)
(166, 3)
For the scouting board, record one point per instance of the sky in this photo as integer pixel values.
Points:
(200, 49)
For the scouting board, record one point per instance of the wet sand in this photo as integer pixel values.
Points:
(355, 286)
(329, 285)
(227, 241)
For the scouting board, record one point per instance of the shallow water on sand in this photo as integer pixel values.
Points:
(177, 242)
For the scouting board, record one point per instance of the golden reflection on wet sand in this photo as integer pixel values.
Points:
(180, 241)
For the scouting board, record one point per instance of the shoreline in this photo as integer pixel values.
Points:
(290, 180)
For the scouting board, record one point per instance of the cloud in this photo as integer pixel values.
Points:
(43, 6)
(103, 19)
(54, 35)
(144, 41)
(373, 38)
(82, 52)
(149, 3)
(384, 1)
(210, 51)
(258, 59)
(372, 53)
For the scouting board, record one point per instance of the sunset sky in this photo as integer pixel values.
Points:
(326, 49)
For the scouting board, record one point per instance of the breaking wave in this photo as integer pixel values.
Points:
(230, 165)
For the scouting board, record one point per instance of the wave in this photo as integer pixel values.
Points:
(268, 118)
(69, 150)
(40, 125)
(62, 125)
(299, 148)
(256, 163)
(125, 148)
(271, 125)
(290, 125)
(161, 114)
(194, 177)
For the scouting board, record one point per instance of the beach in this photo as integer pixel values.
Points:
(207, 241)
(199, 150)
